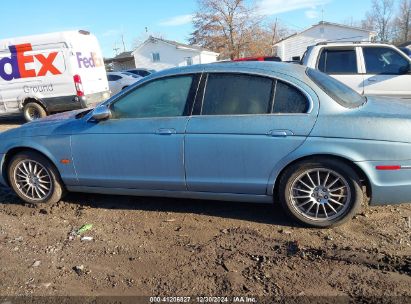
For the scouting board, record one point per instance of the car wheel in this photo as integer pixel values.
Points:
(33, 111)
(34, 178)
(320, 193)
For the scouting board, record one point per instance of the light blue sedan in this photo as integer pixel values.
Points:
(251, 131)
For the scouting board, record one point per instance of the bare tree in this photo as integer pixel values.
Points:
(225, 26)
(403, 22)
(380, 18)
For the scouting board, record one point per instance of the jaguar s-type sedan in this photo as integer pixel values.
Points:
(248, 131)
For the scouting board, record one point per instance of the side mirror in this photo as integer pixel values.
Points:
(101, 113)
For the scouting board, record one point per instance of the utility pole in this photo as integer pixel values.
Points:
(274, 39)
(122, 40)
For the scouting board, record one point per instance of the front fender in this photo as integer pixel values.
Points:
(55, 148)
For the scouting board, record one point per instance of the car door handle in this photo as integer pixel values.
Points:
(166, 131)
(279, 133)
(371, 80)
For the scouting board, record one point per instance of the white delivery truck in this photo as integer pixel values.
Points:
(49, 73)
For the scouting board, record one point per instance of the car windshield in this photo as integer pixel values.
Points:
(338, 91)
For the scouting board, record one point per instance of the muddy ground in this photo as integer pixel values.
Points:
(176, 247)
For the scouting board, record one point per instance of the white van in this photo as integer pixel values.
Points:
(50, 73)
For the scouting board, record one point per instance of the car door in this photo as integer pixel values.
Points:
(141, 146)
(387, 72)
(343, 64)
(114, 83)
(234, 141)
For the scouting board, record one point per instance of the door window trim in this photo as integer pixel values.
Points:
(342, 48)
(191, 97)
(199, 101)
(381, 46)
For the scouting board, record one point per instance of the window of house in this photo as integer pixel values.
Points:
(189, 61)
(156, 57)
(236, 94)
(338, 61)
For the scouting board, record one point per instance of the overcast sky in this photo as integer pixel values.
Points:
(109, 20)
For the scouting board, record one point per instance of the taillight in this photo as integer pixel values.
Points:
(78, 85)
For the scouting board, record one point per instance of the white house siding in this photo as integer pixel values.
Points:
(295, 46)
(170, 56)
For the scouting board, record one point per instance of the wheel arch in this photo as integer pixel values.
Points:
(14, 151)
(35, 100)
(365, 181)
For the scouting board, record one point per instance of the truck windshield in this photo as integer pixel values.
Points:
(338, 91)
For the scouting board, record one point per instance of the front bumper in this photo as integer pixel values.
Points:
(2, 181)
(388, 186)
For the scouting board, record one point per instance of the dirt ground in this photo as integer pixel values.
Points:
(176, 247)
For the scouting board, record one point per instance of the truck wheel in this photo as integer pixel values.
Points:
(35, 179)
(33, 111)
(320, 193)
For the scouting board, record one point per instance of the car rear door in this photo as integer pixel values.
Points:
(343, 64)
(387, 72)
(141, 146)
(244, 125)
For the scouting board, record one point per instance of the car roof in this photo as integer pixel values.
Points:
(268, 68)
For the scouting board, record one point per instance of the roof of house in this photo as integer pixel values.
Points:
(124, 56)
(330, 24)
(178, 45)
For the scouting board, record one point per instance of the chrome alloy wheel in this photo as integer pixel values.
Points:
(320, 194)
(33, 180)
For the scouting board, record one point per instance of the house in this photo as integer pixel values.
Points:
(159, 54)
(293, 47)
(122, 61)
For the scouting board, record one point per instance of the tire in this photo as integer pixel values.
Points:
(33, 111)
(331, 205)
(27, 185)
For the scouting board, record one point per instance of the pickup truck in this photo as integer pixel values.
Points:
(368, 68)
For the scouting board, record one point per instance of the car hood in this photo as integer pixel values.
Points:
(386, 119)
(51, 125)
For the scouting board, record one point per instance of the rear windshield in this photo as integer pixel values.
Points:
(338, 91)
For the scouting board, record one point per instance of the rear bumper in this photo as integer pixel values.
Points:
(388, 186)
(91, 100)
(73, 102)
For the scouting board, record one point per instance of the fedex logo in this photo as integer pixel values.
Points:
(17, 65)
(88, 62)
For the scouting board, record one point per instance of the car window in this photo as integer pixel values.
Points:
(338, 62)
(160, 98)
(289, 99)
(113, 77)
(383, 60)
(338, 91)
(236, 94)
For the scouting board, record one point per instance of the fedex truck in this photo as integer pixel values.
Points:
(49, 73)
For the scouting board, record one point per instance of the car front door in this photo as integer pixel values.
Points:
(387, 72)
(343, 64)
(141, 146)
(245, 125)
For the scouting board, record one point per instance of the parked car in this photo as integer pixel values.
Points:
(259, 58)
(406, 50)
(368, 68)
(118, 81)
(49, 73)
(259, 132)
(141, 72)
